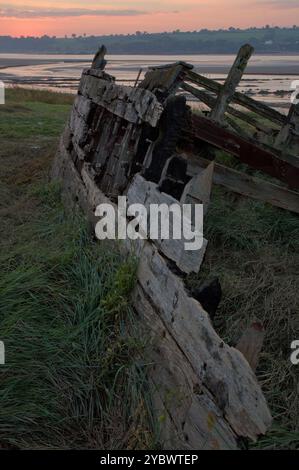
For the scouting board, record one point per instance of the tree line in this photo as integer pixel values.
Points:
(265, 40)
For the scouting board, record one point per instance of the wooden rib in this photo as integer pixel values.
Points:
(210, 102)
(232, 81)
(249, 186)
(284, 167)
(239, 98)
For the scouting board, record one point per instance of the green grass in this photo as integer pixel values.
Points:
(26, 115)
(73, 376)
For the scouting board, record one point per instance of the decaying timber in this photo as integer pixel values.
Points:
(205, 394)
(143, 142)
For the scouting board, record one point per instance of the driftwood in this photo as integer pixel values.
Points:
(127, 141)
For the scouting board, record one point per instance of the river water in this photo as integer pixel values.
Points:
(268, 78)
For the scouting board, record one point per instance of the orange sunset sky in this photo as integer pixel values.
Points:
(59, 17)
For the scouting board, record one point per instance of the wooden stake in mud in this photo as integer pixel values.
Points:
(231, 83)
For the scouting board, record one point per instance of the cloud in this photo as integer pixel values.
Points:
(37, 12)
(281, 4)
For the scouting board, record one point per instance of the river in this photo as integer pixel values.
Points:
(268, 78)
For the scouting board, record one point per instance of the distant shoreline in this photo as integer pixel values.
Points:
(212, 67)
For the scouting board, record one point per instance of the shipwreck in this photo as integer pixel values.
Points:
(146, 143)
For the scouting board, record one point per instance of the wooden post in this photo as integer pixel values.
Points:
(292, 122)
(198, 190)
(241, 99)
(251, 343)
(137, 78)
(233, 79)
(99, 61)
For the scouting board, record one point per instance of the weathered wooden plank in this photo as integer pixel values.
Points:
(146, 193)
(239, 98)
(217, 366)
(289, 126)
(210, 101)
(120, 155)
(249, 186)
(283, 167)
(73, 191)
(186, 412)
(233, 79)
(198, 190)
(135, 105)
(210, 371)
(83, 106)
(103, 140)
(165, 79)
(78, 127)
(94, 194)
(98, 73)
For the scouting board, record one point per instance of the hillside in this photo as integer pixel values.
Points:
(265, 40)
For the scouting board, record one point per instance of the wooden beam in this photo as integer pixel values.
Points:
(210, 101)
(282, 167)
(232, 81)
(220, 369)
(290, 124)
(239, 98)
(147, 193)
(135, 105)
(249, 186)
(198, 190)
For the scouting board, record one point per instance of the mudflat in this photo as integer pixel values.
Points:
(259, 67)
(4, 63)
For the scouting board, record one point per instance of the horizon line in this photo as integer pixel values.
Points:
(147, 33)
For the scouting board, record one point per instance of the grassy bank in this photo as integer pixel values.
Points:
(71, 379)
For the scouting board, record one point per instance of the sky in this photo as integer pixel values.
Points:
(60, 17)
